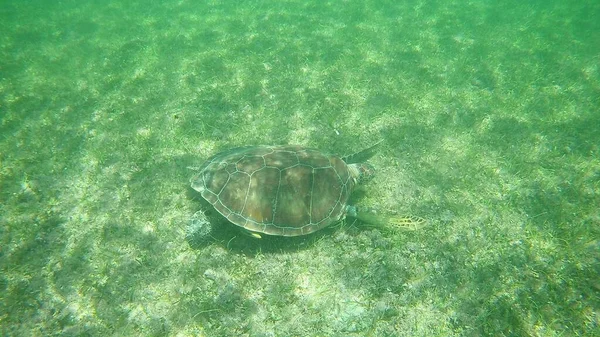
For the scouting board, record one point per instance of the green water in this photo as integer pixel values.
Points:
(489, 116)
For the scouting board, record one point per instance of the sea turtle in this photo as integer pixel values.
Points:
(285, 190)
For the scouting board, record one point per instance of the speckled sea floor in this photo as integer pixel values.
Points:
(489, 118)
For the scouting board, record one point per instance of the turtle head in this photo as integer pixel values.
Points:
(362, 172)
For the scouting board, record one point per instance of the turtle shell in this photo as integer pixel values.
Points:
(276, 190)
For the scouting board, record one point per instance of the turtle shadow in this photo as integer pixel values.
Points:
(237, 240)
(269, 244)
(208, 227)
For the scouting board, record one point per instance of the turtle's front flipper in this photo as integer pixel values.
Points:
(386, 220)
(362, 156)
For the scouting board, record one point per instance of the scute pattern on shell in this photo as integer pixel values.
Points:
(276, 190)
